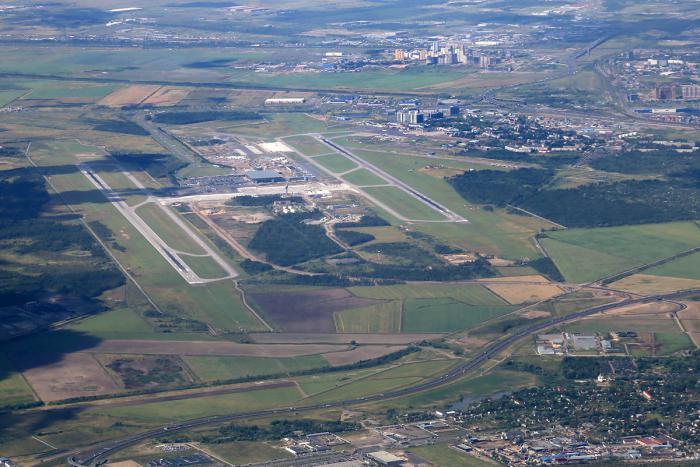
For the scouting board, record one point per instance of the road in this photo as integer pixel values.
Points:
(104, 450)
(449, 214)
(169, 254)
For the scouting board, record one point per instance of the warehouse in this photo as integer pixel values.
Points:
(264, 176)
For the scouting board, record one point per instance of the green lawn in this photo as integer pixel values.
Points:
(335, 163)
(13, 388)
(687, 267)
(176, 411)
(405, 204)
(446, 315)
(587, 254)
(167, 230)
(363, 177)
(383, 318)
(308, 145)
(223, 368)
(204, 266)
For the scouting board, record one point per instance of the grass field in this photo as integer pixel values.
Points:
(441, 454)
(363, 177)
(403, 80)
(496, 381)
(308, 145)
(404, 204)
(173, 411)
(8, 96)
(687, 267)
(335, 163)
(382, 318)
(493, 232)
(472, 294)
(446, 315)
(166, 229)
(222, 368)
(57, 91)
(584, 255)
(404, 375)
(204, 266)
(217, 303)
(246, 452)
(13, 389)
(650, 284)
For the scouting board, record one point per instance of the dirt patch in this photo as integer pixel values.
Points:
(525, 293)
(650, 284)
(74, 375)
(167, 95)
(130, 95)
(310, 311)
(358, 354)
(215, 348)
(308, 338)
(136, 371)
(471, 342)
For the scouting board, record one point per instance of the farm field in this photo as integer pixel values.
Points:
(687, 267)
(166, 96)
(381, 318)
(584, 255)
(405, 204)
(524, 293)
(306, 310)
(222, 368)
(446, 315)
(130, 95)
(650, 284)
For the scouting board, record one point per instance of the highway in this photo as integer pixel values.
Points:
(104, 450)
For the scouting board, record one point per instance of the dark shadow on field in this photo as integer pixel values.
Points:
(44, 349)
(41, 422)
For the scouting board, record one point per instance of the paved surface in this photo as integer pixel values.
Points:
(408, 189)
(102, 451)
(169, 254)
